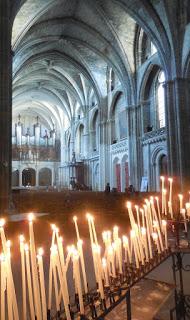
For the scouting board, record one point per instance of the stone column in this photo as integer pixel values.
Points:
(5, 105)
(135, 148)
(177, 105)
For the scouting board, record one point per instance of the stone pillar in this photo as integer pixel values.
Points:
(135, 148)
(86, 136)
(20, 177)
(5, 105)
(177, 106)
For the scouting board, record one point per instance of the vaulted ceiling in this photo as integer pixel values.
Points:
(64, 48)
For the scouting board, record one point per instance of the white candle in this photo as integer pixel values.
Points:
(170, 189)
(162, 189)
(164, 224)
(135, 249)
(155, 238)
(148, 234)
(10, 283)
(143, 218)
(183, 212)
(42, 284)
(78, 280)
(158, 209)
(144, 237)
(55, 277)
(80, 249)
(63, 266)
(105, 269)
(76, 227)
(23, 277)
(67, 311)
(3, 285)
(187, 205)
(165, 201)
(180, 202)
(34, 268)
(30, 293)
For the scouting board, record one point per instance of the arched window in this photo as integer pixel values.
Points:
(161, 100)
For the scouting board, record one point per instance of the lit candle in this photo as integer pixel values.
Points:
(143, 218)
(148, 233)
(144, 238)
(63, 266)
(180, 202)
(183, 212)
(164, 224)
(165, 202)
(10, 283)
(28, 273)
(158, 209)
(127, 250)
(42, 284)
(76, 227)
(53, 252)
(57, 261)
(3, 285)
(135, 249)
(170, 189)
(155, 238)
(23, 277)
(80, 249)
(77, 277)
(162, 190)
(105, 269)
(187, 205)
(34, 268)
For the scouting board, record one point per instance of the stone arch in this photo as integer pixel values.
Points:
(115, 97)
(79, 135)
(124, 173)
(45, 177)
(148, 98)
(116, 172)
(29, 177)
(157, 155)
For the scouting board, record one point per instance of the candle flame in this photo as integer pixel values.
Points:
(164, 223)
(75, 218)
(40, 251)
(154, 236)
(132, 233)
(30, 217)
(128, 205)
(21, 238)
(104, 262)
(2, 223)
(26, 247)
(2, 257)
(8, 244)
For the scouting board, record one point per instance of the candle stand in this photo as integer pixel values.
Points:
(119, 289)
(180, 250)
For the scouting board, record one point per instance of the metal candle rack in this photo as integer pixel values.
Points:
(119, 289)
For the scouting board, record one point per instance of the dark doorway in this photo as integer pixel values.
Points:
(45, 177)
(29, 177)
(15, 178)
(163, 165)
